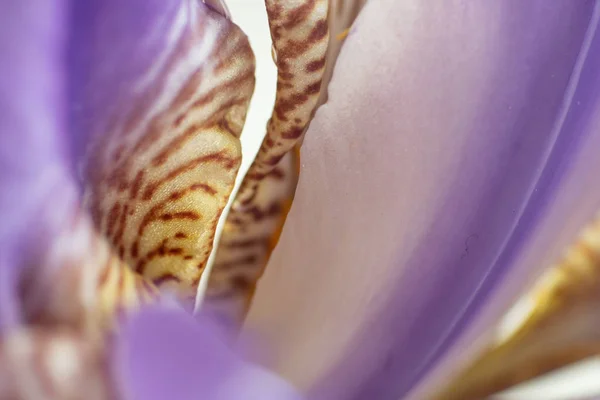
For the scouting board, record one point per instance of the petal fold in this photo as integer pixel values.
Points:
(300, 33)
(38, 199)
(164, 152)
(560, 328)
(164, 354)
(451, 143)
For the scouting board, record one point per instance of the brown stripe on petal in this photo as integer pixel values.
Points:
(137, 184)
(320, 31)
(248, 260)
(229, 85)
(241, 284)
(219, 158)
(154, 213)
(240, 49)
(292, 133)
(250, 234)
(222, 295)
(118, 134)
(123, 292)
(191, 215)
(299, 15)
(276, 173)
(313, 88)
(178, 159)
(174, 145)
(300, 49)
(121, 228)
(189, 89)
(316, 65)
(245, 243)
(112, 218)
(165, 278)
(135, 249)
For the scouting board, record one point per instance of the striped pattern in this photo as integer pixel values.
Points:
(52, 365)
(157, 183)
(62, 291)
(563, 327)
(120, 291)
(246, 243)
(299, 29)
(159, 178)
(300, 33)
(83, 284)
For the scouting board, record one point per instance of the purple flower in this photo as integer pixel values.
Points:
(65, 66)
(452, 163)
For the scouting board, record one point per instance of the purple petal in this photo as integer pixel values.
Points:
(36, 195)
(112, 44)
(565, 199)
(165, 354)
(452, 155)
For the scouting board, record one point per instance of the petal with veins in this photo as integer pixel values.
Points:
(247, 242)
(300, 37)
(50, 253)
(120, 289)
(450, 130)
(161, 166)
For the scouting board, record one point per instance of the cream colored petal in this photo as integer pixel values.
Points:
(160, 176)
(300, 35)
(247, 242)
(300, 38)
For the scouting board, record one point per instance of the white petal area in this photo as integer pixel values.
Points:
(578, 381)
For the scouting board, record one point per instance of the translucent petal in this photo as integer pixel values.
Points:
(562, 327)
(155, 341)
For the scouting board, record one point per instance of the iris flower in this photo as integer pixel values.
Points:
(449, 157)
